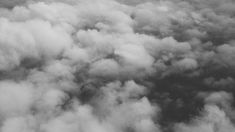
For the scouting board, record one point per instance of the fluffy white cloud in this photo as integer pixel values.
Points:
(15, 98)
(116, 65)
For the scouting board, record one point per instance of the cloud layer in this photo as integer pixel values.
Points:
(117, 65)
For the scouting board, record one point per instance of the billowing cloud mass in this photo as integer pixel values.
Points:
(117, 65)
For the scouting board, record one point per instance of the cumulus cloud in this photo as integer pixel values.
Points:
(213, 120)
(117, 65)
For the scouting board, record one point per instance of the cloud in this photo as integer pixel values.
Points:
(117, 65)
(213, 120)
(16, 98)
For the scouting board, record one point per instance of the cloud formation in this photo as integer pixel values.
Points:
(117, 65)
